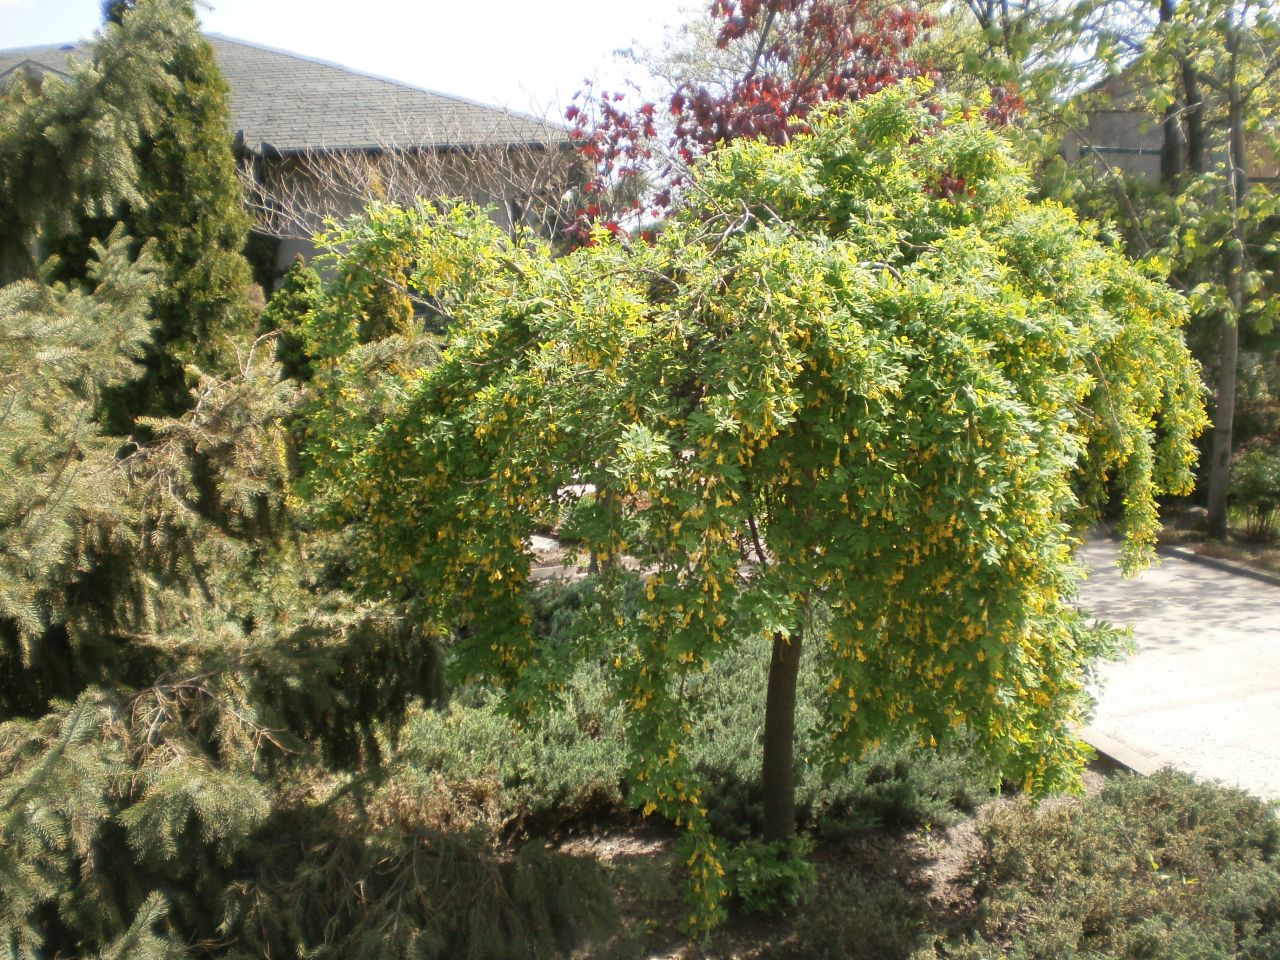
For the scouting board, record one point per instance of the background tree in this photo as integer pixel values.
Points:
(68, 147)
(840, 401)
(1039, 55)
(1227, 68)
(774, 61)
(1205, 72)
(299, 292)
(192, 206)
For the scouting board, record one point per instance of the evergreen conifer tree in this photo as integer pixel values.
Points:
(68, 147)
(113, 11)
(185, 196)
(61, 576)
(164, 652)
(192, 207)
(299, 292)
(189, 705)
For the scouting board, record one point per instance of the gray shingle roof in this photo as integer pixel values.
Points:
(36, 61)
(285, 103)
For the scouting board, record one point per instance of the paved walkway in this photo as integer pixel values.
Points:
(1203, 691)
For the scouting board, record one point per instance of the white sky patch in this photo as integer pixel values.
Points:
(530, 55)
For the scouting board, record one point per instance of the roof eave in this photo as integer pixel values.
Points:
(268, 151)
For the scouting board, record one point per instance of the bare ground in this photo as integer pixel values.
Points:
(924, 870)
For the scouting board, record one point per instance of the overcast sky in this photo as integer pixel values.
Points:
(529, 55)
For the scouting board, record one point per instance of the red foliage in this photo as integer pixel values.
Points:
(806, 52)
(1006, 104)
(803, 53)
(948, 185)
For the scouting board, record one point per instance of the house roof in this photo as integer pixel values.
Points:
(34, 63)
(283, 103)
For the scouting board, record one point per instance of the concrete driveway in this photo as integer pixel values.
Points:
(1203, 691)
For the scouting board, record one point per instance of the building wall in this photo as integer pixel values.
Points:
(298, 194)
(1116, 139)
(1127, 138)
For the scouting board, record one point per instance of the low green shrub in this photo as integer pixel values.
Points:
(470, 767)
(1255, 487)
(571, 761)
(569, 765)
(895, 785)
(852, 917)
(331, 889)
(1164, 867)
(901, 786)
(770, 878)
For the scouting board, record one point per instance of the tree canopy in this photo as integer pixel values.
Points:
(852, 396)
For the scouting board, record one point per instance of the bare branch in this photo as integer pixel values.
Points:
(526, 185)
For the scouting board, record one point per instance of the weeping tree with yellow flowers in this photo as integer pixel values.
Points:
(854, 398)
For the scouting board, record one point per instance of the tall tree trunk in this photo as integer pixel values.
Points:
(1197, 150)
(1174, 149)
(1224, 412)
(1237, 185)
(778, 773)
(1175, 146)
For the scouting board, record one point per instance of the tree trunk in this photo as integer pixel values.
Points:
(1174, 149)
(778, 774)
(1237, 185)
(1224, 412)
(1197, 151)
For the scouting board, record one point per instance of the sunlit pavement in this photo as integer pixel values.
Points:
(1202, 692)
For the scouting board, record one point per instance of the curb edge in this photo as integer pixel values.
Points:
(1227, 566)
(1118, 754)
